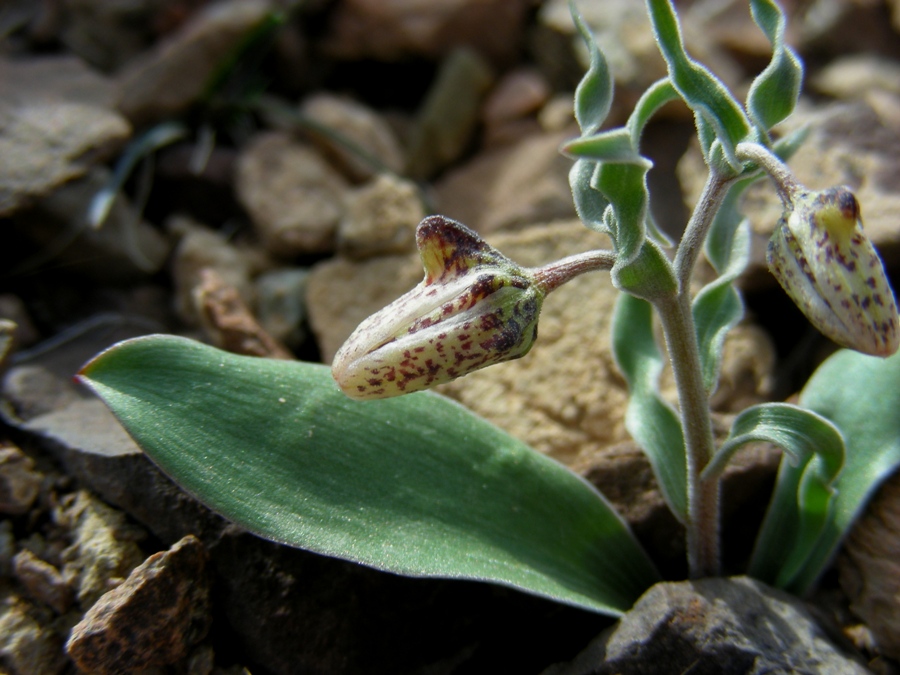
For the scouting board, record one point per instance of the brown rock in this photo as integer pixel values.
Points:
(103, 551)
(42, 581)
(56, 121)
(381, 218)
(512, 186)
(365, 143)
(293, 196)
(28, 645)
(228, 321)
(870, 567)
(152, 619)
(393, 29)
(19, 482)
(173, 76)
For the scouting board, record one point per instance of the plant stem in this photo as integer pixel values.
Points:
(680, 332)
(784, 180)
(552, 276)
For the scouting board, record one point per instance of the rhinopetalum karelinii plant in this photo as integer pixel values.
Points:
(417, 485)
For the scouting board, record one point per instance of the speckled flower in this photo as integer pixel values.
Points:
(823, 259)
(474, 308)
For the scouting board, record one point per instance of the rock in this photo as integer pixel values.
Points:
(447, 120)
(106, 34)
(103, 551)
(381, 218)
(228, 322)
(28, 646)
(56, 121)
(281, 305)
(13, 309)
(151, 619)
(509, 112)
(857, 75)
(123, 249)
(375, 147)
(200, 248)
(7, 548)
(292, 195)
(397, 29)
(19, 482)
(507, 188)
(735, 626)
(42, 581)
(173, 76)
(869, 567)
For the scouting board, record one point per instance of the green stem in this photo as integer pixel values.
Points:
(677, 319)
(784, 180)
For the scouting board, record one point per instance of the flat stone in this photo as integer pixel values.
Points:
(715, 626)
(292, 194)
(175, 74)
(869, 567)
(56, 121)
(151, 619)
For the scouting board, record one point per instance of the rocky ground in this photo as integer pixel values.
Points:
(250, 173)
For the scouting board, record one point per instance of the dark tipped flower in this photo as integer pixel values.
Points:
(474, 308)
(823, 259)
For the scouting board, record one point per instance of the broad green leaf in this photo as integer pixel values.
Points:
(861, 395)
(594, 94)
(651, 421)
(415, 485)
(702, 91)
(774, 92)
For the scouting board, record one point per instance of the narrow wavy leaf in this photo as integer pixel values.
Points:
(651, 421)
(775, 91)
(590, 204)
(415, 485)
(594, 94)
(701, 90)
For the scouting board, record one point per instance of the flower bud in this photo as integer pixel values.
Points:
(474, 308)
(827, 265)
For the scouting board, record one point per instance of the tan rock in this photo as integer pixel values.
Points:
(56, 121)
(292, 194)
(355, 137)
(175, 74)
(510, 187)
(392, 29)
(381, 218)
